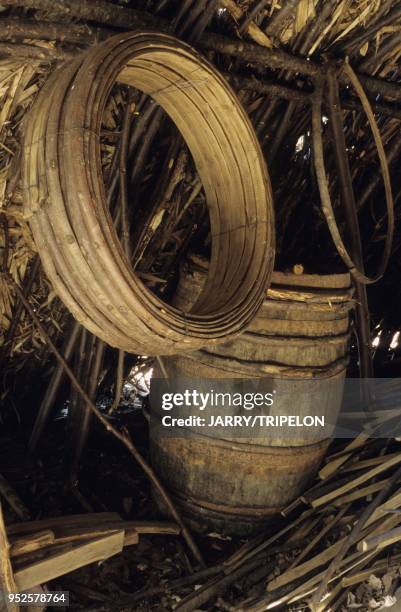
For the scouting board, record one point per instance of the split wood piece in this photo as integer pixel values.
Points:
(392, 504)
(106, 296)
(325, 529)
(327, 208)
(384, 565)
(335, 464)
(320, 501)
(122, 437)
(300, 535)
(63, 563)
(380, 541)
(7, 580)
(259, 543)
(8, 493)
(31, 543)
(202, 595)
(355, 466)
(360, 493)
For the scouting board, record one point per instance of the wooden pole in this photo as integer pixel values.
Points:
(7, 583)
(348, 200)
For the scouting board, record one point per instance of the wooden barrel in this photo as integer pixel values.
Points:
(300, 341)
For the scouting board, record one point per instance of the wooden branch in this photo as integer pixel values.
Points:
(266, 87)
(20, 50)
(277, 59)
(99, 11)
(112, 15)
(18, 29)
(255, 54)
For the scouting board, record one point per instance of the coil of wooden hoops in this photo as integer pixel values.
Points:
(321, 176)
(65, 198)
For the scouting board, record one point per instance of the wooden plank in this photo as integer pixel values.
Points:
(7, 580)
(155, 527)
(60, 564)
(73, 520)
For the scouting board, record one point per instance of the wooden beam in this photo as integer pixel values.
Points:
(115, 16)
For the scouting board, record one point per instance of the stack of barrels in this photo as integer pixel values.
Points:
(300, 342)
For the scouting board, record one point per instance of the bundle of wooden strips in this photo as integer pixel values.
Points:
(66, 204)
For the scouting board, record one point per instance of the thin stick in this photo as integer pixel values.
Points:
(348, 199)
(52, 389)
(119, 382)
(123, 438)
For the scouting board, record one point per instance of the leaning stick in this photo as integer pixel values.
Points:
(123, 438)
